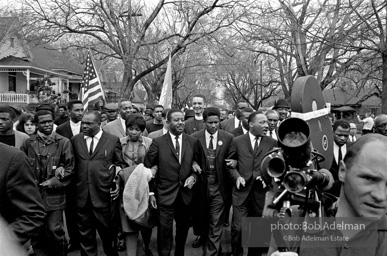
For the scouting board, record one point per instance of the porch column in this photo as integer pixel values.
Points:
(28, 79)
(28, 85)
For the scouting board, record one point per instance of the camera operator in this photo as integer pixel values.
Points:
(363, 174)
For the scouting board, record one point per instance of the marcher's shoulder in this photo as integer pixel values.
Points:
(21, 135)
(227, 135)
(111, 137)
(197, 134)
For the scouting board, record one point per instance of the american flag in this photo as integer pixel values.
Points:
(91, 85)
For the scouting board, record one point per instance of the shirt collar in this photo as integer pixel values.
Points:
(98, 135)
(48, 139)
(215, 135)
(174, 136)
(252, 137)
(74, 124)
(165, 131)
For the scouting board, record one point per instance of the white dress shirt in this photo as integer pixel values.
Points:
(180, 139)
(123, 124)
(273, 134)
(236, 123)
(96, 139)
(75, 127)
(336, 151)
(214, 139)
(252, 140)
(244, 130)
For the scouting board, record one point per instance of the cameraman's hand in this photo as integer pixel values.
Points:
(240, 181)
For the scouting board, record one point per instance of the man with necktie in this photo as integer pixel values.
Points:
(353, 133)
(216, 188)
(272, 120)
(174, 153)
(96, 183)
(341, 129)
(249, 189)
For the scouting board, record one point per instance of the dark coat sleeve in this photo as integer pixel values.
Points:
(24, 198)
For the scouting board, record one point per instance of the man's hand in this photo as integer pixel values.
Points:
(196, 168)
(114, 194)
(277, 253)
(240, 181)
(47, 184)
(59, 172)
(152, 200)
(189, 182)
(231, 163)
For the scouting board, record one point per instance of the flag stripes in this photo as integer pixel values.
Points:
(92, 90)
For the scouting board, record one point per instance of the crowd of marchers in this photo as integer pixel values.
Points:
(121, 170)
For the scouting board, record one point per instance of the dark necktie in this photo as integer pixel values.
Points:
(211, 145)
(271, 134)
(91, 145)
(340, 157)
(240, 123)
(177, 147)
(256, 145)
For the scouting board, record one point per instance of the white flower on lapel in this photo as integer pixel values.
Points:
(220, 143)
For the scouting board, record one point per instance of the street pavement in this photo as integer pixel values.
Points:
(189, 251)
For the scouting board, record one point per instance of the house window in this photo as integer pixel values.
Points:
(12, 81)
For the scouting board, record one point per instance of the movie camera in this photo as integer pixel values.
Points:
(296, 167)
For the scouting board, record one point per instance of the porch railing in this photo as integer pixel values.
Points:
(14, 98)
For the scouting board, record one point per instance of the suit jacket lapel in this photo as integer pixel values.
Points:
(202, 139)
(247, 140)
(184, 142)
(220, 138)
(120, 128)
(261, 145)
(170, 144)
(101, 142)
(83, 144)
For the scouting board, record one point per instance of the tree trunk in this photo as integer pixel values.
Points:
(384, 82)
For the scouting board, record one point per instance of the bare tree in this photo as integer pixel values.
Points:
(373, 35)
(129, 30)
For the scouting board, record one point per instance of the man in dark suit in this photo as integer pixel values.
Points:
(244, 127)
(196, 124)
(232, 123)
(95, 152)
(272, 120)
(174, 153)
(248, 193)
(68, 130)
(216, 144)
(20, 203)
(73, 126)
(340, 146)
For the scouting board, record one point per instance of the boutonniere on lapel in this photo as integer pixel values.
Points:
(220, 143)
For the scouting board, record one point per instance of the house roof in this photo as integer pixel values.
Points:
(47, 57)
(339, 97)
(35, 54)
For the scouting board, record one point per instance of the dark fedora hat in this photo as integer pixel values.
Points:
(281, 103)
